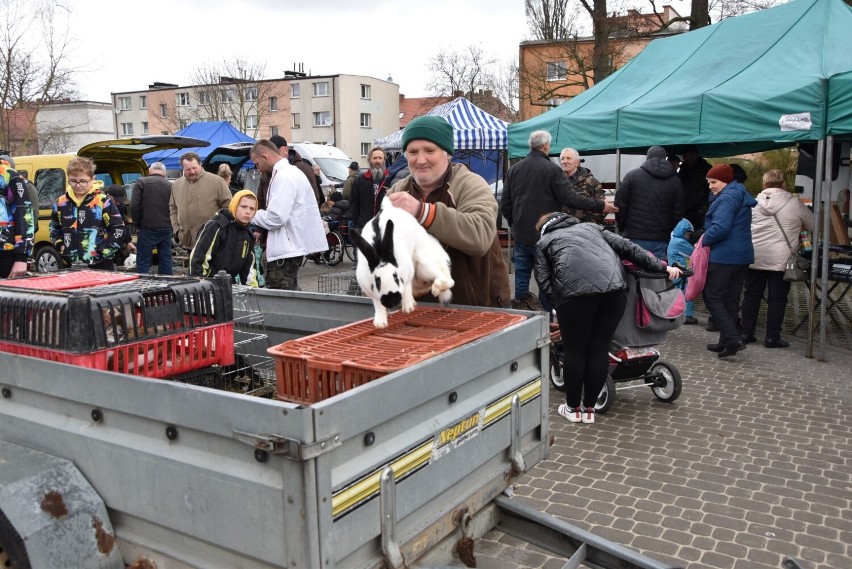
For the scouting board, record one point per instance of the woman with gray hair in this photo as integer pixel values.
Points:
(775, 226)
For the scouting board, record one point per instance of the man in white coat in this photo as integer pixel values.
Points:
(291, 218)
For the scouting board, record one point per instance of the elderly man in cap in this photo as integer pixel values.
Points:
(354, 171)
(149, 210)
(650, 203)
(455, 206)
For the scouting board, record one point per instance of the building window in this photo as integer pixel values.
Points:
(164, 111)
(273, 103)
(229, 96)
(124, 103)
(365, 120)
(321, 89)
(557, 71)
(294, 90)
(126, 128)
(297, 120)
(144, 128)
(365, 148)
(183, 99)
(402, 115)
(251, 121)
(204, 98)
(273, 131)
(322, 119)
(183, 123)
(555, 102)
(365, 91)
(251, 93)
(143, 101)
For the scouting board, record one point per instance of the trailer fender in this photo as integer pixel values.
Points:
(55, 511)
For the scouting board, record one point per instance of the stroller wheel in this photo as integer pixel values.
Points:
(666, 386)
(606, 397)
(556, 378)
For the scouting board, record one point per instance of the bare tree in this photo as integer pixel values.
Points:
(34, 48)
(548, 19)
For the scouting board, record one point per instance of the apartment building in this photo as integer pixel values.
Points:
(347, 111)
(551, 72)
(67, 126)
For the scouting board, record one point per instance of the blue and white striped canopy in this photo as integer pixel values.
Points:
(473, 128)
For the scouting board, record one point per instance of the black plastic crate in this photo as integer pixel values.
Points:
(97, 317)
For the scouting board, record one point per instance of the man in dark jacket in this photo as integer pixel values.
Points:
(369, 189)
(296, 160)
(650, 203)
(535, 186)
(149, 210)
(696, 194)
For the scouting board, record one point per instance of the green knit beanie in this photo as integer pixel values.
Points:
(433, 129)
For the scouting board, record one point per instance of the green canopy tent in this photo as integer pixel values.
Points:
(764, 80)
(760, 81)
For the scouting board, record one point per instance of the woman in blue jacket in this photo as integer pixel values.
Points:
(728, 234)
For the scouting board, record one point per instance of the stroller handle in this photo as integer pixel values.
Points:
(685, 273)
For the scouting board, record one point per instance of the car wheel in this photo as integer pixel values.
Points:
(47, 259)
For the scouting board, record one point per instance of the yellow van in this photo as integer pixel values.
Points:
(117, 162)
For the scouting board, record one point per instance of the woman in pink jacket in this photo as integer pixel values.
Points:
(771, 251)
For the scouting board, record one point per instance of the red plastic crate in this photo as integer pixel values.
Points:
(70, 280)
(323, 365)
(157, 358)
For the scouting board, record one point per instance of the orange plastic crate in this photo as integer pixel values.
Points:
(69, 280)
(156, 358)
(323, 365)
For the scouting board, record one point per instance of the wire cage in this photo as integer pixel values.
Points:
(339, 283)
(253, 372)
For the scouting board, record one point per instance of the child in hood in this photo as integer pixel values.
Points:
(225, 243)
(679, 251)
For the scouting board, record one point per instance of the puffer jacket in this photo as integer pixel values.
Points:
(728, 226)
(679, 248)
(223, 244)
(771, 248)
(89, 229)
(576, 259)
(649, 201)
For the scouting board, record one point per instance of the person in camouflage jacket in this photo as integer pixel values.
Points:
(85, 224)
(584, 183)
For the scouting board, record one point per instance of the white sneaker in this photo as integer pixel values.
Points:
(588, 415)
(573, 415)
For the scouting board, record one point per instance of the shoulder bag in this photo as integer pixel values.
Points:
(796, 267)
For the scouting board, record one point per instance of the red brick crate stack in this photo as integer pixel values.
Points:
(323, 365)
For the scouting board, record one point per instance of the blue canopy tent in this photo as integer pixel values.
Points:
(479, 138)
(216, 132)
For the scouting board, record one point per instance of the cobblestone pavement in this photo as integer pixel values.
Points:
(751, 464)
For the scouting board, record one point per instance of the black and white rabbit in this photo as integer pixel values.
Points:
(397, 254)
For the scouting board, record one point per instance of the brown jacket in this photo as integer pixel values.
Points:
(465, 222)
(193, 203)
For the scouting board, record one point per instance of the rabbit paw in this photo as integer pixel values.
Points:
(439, 286)
(408, 305)
(445, 297)
(380, 320)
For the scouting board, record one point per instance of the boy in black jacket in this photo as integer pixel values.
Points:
(226, 242)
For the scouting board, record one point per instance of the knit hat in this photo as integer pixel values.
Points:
(656, 152)
(235, 201)
(431, 128)
(721, 172)
(354, 166)
(7, 158)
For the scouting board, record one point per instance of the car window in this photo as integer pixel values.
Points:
(128, 178)
(50, 183)
(105, 178)
(335, 168)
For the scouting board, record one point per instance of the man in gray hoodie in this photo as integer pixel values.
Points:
(650, 203)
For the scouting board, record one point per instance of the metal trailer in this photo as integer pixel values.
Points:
(99, 469)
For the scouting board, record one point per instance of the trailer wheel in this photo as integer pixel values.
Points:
(672, 381)
(606, 397)
(13, 554)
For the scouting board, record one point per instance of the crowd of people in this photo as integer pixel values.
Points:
(556, 215)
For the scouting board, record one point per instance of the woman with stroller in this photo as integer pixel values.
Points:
(578, 267)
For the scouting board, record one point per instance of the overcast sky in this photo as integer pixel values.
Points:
(124, 45)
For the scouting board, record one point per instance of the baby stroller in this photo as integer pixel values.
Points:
(654, 307)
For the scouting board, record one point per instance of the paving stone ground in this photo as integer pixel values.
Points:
(751, 464)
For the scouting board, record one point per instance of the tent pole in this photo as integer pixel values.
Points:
(816, 201)
(826, 234)
(617, 168)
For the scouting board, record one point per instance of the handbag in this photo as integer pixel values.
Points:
(698, 262)
(796, 267)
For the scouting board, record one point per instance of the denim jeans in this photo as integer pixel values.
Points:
(524, 258)
(146, 241)
(656, 248)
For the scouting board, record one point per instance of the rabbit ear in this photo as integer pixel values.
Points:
(386, 248)
(366, 249)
